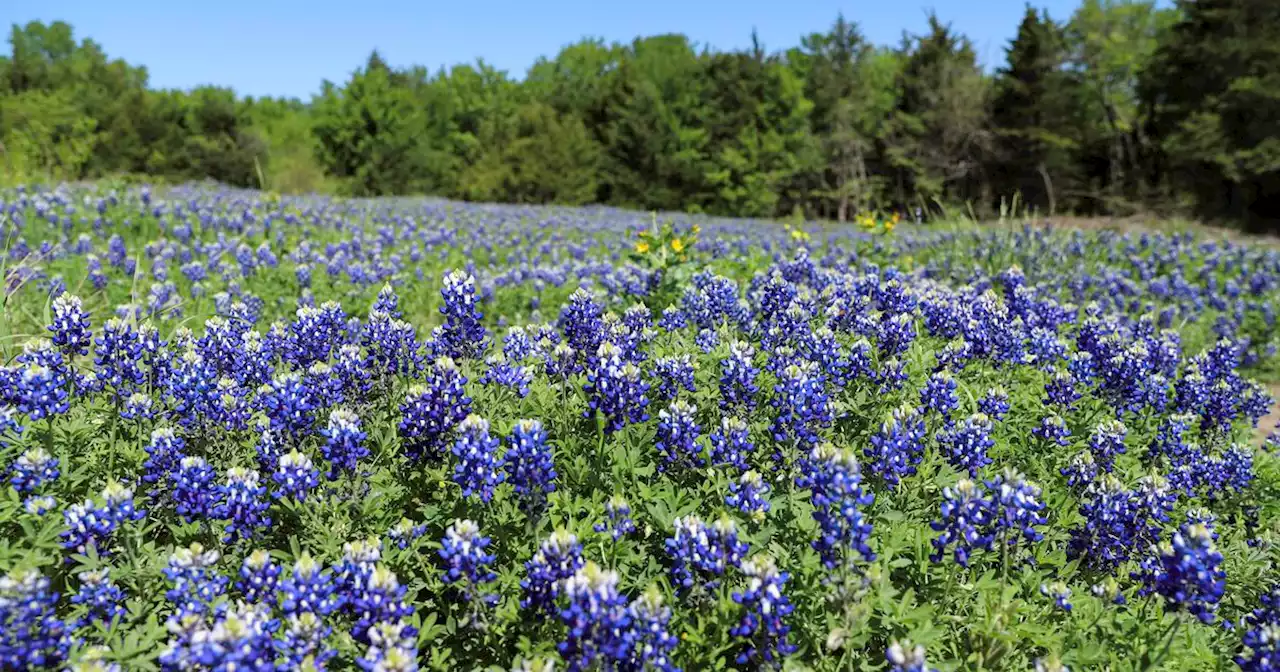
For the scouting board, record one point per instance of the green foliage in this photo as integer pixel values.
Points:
(1124, 106)
(1215, 88)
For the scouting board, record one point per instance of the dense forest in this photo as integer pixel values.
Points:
(1120, 108)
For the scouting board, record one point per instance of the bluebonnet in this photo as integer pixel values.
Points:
(615, 390)
(90, 525)
(118, 353)
(892, 376)
(618, 522)
(31, 634)
(558, 558)
(995, 403)
(765, 608)
(259, 577)
(581, 321)
(388, 302)
(1059, 593)
(1261, 640)
(40, 392)
(731, 444)
(939, 394)
(896, 334)
(194, 492)
(313, 334)
(904, 657)
(309, 588)
(1061, 391)
(530, 465)
(1114, 525)
(237, 638)
(506, 375)
(392, 346)
(1053, 429)
(289, 404)
(304, 641)
(117, 502)
(139, 407)
(707, 340)
(1016, 509)
(295, 476)
(392, 648)
(359, 558)
(749, 495)
(99, 597)
(1261, 649)
(467, 561)
(738, 387)
(823, 349)
(232, 407)
(1106, 442)
(898, 446)
(965, 521)
(677, 438)
(191, 387)
(519, 345)
(700, 553)
(39, 505)
(269, 448)
(243, 504)
(835, 482)
(672, 374)
(378, 599)
(32, 470)
(562, 363)
(858, 364)
(70, 327)
(432, 410)
(673, 319)
(596, 619)
(1186, 571)
(651, 640)
(405, 532)
(965, 444)
(196, 583)
(462, 336)
(325, 388)
(344, 444)
(479, 469)
(351, 370)
(1081, 471)
(802, 407)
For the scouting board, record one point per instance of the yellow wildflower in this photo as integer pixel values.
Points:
(642, 247)
(677, 244)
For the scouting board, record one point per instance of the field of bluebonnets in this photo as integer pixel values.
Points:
(245, 432)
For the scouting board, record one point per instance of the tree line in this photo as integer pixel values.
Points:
(1121, 107)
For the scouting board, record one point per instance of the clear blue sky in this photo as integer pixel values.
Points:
(286, 47)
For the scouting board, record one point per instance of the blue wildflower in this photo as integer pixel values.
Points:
(530, 465)
(558, 558)
(765, 606)
(835, 482)
(479, 469)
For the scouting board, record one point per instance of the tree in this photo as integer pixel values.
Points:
(369, 132)
(1111, 42)
(1214, 89)
(938, 137)
(1031, 114)
(536, 156)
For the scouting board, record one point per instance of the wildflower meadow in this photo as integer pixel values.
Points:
(240, 431)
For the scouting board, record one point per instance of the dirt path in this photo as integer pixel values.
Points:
(1272, 419)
